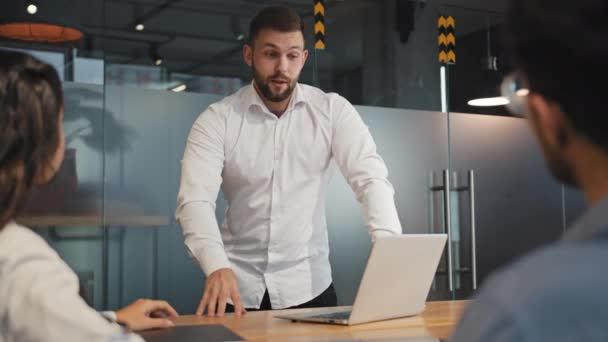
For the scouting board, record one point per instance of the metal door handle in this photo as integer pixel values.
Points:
(446, 189)
(473, 241)
(448, 225)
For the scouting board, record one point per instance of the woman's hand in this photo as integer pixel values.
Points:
(146, 314)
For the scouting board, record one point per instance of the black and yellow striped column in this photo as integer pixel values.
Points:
(319, 25)
(447, 40)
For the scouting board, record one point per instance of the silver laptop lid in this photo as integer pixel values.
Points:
(398, 277)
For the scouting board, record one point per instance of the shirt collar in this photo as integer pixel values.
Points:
(254, 99)
(297, 97)
(592, 225)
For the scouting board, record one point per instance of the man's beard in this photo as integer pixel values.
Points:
(264, 87)
(557, 164)
(560, 169)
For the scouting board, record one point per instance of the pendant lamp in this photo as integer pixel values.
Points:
(40, 21)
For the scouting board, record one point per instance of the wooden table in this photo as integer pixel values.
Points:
(92, 220)
(438, 321)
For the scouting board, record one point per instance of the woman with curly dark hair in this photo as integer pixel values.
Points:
(39, 298)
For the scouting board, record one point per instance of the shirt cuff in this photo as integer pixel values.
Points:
(213, 259)
(109, 315)
(382, 233)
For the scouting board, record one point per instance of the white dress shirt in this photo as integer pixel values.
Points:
(39, 298)
(274, 174)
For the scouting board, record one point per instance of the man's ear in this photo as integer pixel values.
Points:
(248, 54)
(550, 121)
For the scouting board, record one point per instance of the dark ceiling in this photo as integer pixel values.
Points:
(202, 36)
(196, 36)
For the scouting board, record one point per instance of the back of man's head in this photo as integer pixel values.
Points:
(277, 18)
(561, 46)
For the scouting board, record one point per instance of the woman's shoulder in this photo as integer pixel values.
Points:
(18, 242)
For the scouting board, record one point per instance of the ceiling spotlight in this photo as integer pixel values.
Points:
(235, 28)
(40, 21)
(154, 55)
(32, 9)
(139, 27)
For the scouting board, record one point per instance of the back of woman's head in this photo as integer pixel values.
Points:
(31, 103)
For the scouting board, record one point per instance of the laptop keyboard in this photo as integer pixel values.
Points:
(340, 315)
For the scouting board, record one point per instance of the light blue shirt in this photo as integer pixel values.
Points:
(557, 294)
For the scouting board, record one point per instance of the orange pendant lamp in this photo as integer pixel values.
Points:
(40, 21)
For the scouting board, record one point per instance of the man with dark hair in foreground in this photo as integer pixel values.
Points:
(557, 293)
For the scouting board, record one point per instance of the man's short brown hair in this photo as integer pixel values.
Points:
(278, 18)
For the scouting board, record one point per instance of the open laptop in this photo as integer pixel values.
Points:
(395, 283)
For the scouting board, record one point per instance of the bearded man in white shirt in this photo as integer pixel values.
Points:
(269, 146)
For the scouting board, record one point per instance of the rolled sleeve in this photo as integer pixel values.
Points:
(201, 178)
